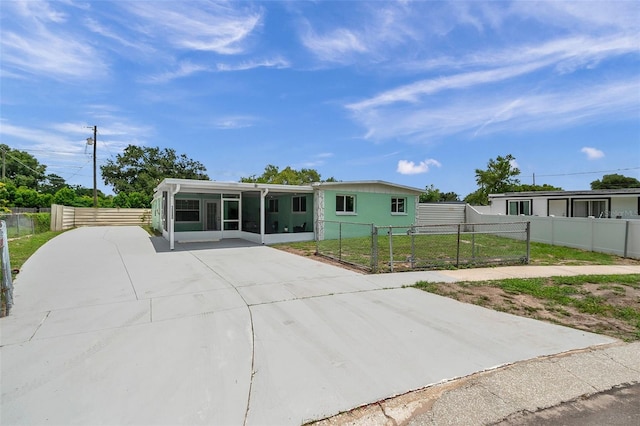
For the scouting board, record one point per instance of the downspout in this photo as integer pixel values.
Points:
(172, 210)
(263, 217)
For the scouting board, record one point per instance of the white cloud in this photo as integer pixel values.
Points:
(480, 115)
(410, 168)
(207, 26)
(592, 153)
(41, 42)
(278, 63)
(231, 122)
(334, 46)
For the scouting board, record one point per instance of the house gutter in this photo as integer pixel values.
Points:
(172, 209)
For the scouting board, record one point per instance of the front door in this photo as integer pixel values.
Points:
(213, 216)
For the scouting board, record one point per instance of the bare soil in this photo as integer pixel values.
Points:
(616, 295)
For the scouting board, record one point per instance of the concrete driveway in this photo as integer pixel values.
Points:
(109, 327)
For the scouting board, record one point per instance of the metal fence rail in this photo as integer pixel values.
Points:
(5, 266)
(392, 248)
(18, 224)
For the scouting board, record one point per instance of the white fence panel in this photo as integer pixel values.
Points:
(620, 237)
(440, 213)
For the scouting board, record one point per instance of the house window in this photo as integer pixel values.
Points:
(586, 208)
(299, 204)
(187, 210)
(398, 205)
(345, 204)
(517, 208)
(273, 205)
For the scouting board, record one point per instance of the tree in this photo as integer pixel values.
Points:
(433, 195)
(499, 177)
(141, 169)
(526, 188)
(288, 176)
(22, 168)
(52, 184)
(615, 181)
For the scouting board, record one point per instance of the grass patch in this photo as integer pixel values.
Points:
(21, 249)
(607, 304)
(439, 252)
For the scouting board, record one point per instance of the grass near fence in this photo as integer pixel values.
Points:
(358, 250)
(438, 251)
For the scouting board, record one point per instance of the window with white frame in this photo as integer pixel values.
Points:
(521, 207)
(187, 210)
(345, 204)
(299, 204)
(398, 205)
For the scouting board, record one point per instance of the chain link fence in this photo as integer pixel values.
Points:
(22, 224)
(5, 267)
(392, 248)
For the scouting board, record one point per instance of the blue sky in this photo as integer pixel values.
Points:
(415, 93)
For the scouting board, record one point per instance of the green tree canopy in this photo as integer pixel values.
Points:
(615, 181)
(434, 195)
(499, 177)
(286, 176)
(140, 169)
(22, 168)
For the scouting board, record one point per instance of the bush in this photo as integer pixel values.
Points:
(41, 222)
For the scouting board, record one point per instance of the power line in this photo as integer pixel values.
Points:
(584, 173)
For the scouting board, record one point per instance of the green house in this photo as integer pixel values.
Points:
(187, 210)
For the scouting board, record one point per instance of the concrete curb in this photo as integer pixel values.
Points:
(491, 396)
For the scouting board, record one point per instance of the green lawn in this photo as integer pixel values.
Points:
(440, 251)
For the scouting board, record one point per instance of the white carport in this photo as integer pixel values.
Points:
(220, 212)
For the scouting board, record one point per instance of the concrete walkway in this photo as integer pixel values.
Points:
(109, 327)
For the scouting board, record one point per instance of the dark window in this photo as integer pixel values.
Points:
(398, 205)
(299, 204)
(273, 205)
(187, 210)
(517, 208)
(345, 203)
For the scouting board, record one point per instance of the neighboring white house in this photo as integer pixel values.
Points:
(605, 203)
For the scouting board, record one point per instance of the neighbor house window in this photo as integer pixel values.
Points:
(586, 208)
(345, 204)
(398, 205)
(299, 204)
(520, 207)
(273, 205)
(187, 210)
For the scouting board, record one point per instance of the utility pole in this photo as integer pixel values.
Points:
(95, 185)
(94, 141)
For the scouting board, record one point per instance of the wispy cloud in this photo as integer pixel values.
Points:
(410, 168)
(232, 122)
(184, 69)
(222, 28)
(592, 153)
(45, 46)
(278, 63)
(501, 112)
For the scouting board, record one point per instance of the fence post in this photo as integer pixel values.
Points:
(374, 248)
(528, 241)
(391, 248)
(340, 241)
(413, 246)
(458, 249)
(5, 261)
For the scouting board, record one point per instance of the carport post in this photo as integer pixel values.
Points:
(172, 209)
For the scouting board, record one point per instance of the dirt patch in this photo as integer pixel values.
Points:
(615, 310)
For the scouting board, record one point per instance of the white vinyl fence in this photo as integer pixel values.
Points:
(620, 237)
(64, 217)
